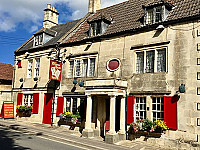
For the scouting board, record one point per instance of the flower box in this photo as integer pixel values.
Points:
(24, 113)
(64, 121)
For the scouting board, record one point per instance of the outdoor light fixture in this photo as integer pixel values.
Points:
(21, 80)
(182, 88)
(75, 81)
(35, 79)
(81, 84)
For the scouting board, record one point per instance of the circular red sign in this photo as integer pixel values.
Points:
(113, 64)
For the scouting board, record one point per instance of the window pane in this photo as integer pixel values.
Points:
(98, 30)
(158, 14)
(29, 71)
(140, 62)
(154, 106)
(161, 61)
(140, 108)
(150, 61)
(78, 68)
(92, 67)
(84, 68)
(37, 66)
(150, 18)
(71, 67)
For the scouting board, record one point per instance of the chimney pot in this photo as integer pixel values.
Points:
(94, 5)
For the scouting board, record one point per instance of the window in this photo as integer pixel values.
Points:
(78, 68)
(72, 104)
(71, 67)
(97, 28)
(37, 66)
(38, 40)
(154, 15)
(92, 67)
(30, 64)
(161, 61)
(28, 99)
(140, 62)
(150, 55)
(158, 108)
(82, 67)
(140, 108)
(151, 61)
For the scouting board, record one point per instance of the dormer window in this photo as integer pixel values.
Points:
(38, 40)
(154, 15)
(156, 12)
(97, 28)
(43, 36)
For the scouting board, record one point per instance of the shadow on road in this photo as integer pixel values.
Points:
(7, 140)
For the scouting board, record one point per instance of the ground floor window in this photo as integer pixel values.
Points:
(28, 99)
(140, 108)
(153, 109)
(73, 104)
(158, 108)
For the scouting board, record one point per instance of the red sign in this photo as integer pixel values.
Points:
(55, 70)
(8, 109)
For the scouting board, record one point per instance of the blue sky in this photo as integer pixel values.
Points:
(19, 19)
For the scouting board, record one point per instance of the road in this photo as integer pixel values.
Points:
(20, 135)
(17, 140)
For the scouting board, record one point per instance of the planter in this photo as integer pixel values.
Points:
(24, 113)
(132, 135)
(68, 118)
(68, 122)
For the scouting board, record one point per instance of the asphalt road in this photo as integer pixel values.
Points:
(16, 140)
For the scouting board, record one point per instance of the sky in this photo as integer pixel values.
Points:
(19, 19)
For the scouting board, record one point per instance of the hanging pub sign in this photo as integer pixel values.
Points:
(55, 70)
(8, 110)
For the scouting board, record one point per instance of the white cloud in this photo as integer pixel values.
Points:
(29, 13)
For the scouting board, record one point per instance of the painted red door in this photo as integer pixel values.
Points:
(47, 108)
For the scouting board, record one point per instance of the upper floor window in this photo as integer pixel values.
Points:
(84, 67)
(38, 40)
(154, 15)
(29, 71)
(37, 66)
(98, 28)
(151, 61)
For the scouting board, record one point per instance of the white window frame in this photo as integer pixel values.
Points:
(151, 14)
(37, 67)
(29, 68)
(38, 40)
(79, 71)
(29, 98)
(158, 106)
(137, 108)
(70, 103)
(156, 49)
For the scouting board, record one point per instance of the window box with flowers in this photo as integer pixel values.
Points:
(147, 128)
(24, 110)
(68, 118)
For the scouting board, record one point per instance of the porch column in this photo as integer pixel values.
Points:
(88, 132)
(88, 112)
(112, 114)
(122, 116)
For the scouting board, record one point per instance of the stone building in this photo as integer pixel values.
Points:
(140, 55)
(31, 83)
(6, 77)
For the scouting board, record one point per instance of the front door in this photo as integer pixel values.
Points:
(47, 108)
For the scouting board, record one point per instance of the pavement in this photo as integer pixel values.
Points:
(62, 134)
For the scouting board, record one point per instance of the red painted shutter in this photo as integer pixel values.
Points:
(130, 109)
(35, 103)
(60, 106)
(170, 112)
(19, 98)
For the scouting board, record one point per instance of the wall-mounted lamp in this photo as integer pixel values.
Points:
(35, 79)
(21, 80)
(75, 81)
(182, 88)
(81, 84)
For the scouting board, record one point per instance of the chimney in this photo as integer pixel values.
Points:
(94, 5)
(50, 17)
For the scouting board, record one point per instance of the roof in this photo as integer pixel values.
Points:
(59, 30)
(6, 71)
(128, 16)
